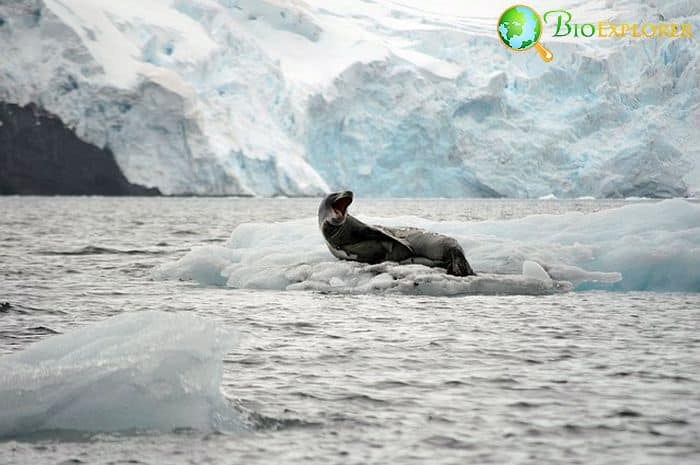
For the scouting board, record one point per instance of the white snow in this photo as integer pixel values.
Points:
(146, 370)
(291, 97)
(636, 247)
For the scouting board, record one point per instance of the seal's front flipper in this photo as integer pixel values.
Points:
(382, 233)
(395, 238)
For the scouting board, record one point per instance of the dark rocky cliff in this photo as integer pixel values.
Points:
(39, 155)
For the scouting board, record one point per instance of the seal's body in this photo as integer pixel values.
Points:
(350, 239)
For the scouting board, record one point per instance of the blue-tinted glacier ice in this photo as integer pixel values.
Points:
(410, 98)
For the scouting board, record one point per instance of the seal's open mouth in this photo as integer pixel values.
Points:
(340, 205)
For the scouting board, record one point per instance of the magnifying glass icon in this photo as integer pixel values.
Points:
(519, 28)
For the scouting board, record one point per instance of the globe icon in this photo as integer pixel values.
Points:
(519, 28)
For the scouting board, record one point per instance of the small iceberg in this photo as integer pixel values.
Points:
(135, 371)
(639, 246)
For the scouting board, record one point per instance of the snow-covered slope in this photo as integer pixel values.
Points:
(388, 97)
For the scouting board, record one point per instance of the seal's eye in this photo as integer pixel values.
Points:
(341, 205)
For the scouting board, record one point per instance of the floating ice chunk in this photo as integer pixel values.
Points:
(535, 271)
(293, 256)
(203, 264)
(577, 275)
(648, 246)
(391, 278)
(147, 370)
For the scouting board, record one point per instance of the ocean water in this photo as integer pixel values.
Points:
(322, 375)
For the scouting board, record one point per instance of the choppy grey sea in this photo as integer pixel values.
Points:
(591, 377)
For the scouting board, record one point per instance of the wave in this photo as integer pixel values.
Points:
(635, 247)
(96, 250)
(135, 371)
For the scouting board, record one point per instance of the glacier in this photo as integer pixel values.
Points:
(389, 98)
(637, 247)
(147, 370)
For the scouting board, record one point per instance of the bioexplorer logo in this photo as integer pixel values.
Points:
(520, 28)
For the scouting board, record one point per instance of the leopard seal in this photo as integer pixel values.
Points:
(350, 239)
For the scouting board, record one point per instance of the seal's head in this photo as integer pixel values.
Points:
(334, 208)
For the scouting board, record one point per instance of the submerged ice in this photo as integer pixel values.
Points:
(146, 371)
(645, 246)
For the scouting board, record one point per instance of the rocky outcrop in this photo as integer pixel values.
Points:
(40, 155)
